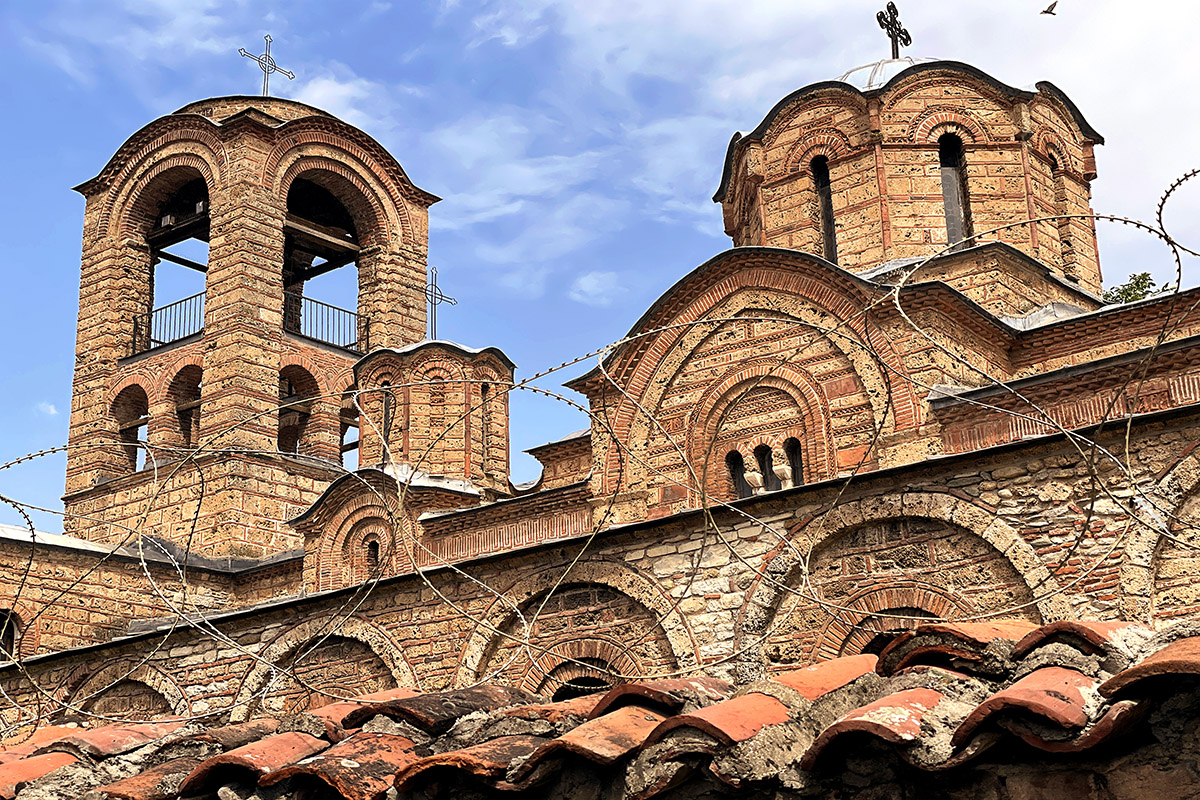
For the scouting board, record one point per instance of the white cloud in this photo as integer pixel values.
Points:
(47, 408)
(596, 288)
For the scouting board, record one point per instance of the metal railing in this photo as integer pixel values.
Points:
(167, 324)
(324, 323)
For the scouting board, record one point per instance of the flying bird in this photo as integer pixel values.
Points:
(1050, 8)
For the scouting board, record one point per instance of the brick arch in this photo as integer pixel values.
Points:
(1047, 143)
(1171, 491)
(815, 433)
(87, 679)
(367, 156)
(806, 296)
(829, 142)
(312, 368)
(783, 564)
(844, 635)
(142, 379)
(29, 633)
(618, 577)
(377, 640)
(341, 529)
(935, 121)
(166, 375)
(184, 144)
(563, 656)
(833, 98)
(375, 219)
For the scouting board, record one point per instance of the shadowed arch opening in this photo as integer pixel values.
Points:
(130, 411)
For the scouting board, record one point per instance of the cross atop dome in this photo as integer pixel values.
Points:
(889, 20)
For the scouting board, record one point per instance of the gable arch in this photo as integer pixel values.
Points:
(619, 577)
(766, 596)
(87, 683)
(815, 432)
(805, 295)
(829, 142)
(377, 640)
(936, 121)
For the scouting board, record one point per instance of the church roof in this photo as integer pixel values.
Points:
(921, 66)
(952, 699)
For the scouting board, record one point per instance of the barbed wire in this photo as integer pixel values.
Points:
(505, 621)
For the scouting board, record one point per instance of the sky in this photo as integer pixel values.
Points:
(576, 146)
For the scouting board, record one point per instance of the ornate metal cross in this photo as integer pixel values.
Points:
(890, 22)
(435, 297)
(267, 65)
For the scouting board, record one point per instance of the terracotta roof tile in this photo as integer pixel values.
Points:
(563, 710)
(1117, 719)
(334, 715)
(670, 694)
(1180, 657)
(436, 712)
(362, 767)
(895, 718)
(113, 740)
(1089, 637)
(157, 783)
(1058, 695)
(604, 740)
(258, 758)
(16, 774)
(729, 721)
(938, 642)
(488, 761)
(231, 737)
(822, 678)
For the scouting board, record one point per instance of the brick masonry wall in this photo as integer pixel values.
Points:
(1020, 531)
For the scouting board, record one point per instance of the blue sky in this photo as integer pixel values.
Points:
(576, 144)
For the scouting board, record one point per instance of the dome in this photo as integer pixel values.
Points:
(874, 75)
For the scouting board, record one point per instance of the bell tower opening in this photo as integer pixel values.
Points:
(320, 238)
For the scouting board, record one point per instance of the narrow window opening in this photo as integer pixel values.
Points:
(372, 558)
(954, 190)
(737, 474)
(792, 450)
(185, 392)
(178, 242)
(766, 465)
(9, 633)
(824, 189)
(296, 392)
(484, 425)
(131, 410)
(350, 434)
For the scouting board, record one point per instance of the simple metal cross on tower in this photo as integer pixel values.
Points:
(267, 65)
(890, 22)
(435, 297)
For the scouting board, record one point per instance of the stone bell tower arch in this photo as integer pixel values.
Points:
(224, 404)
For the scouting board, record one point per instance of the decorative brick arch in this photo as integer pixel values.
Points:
(287, 643)
(142, 379)
(807, 294)
(832, 97)
(562, 657)
(829, 142)
(764, 599)
(375, 218)
(87, 680)
(314, 370)
(619, 577)
(189, 142)
(167, 375)
(815, 433)
(1170, 491)
(935, 121)
(845, 634)
(28, 633)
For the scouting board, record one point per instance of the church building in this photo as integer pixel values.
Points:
(883, 501)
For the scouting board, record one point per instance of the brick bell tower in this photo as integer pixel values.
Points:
(210, 419)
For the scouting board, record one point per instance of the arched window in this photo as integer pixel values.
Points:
(10, 632)
(954, 190)
(791, 449)
(131, 410)
(348, 424)
(185, 393)
(372, 558)
(766, 465)
(296, 392)
(823, 187)
(737, 473)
